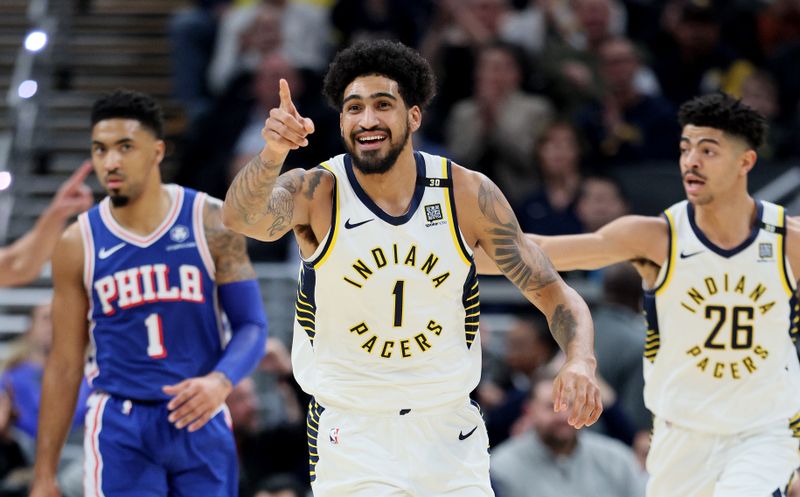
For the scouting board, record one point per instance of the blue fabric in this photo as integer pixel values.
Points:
(23, 382)
(241, 301)
(137, 452)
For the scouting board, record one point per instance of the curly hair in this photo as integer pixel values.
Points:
(394, 60)
(723, 112)
(130, 104)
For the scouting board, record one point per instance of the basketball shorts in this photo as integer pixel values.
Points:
(688, 463)
(132, 450)
(399, 453)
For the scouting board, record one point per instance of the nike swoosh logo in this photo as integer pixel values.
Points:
(686, 256)
(106, 253)
(462, 436)
(349, 225)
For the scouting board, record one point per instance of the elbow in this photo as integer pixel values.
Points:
(231, 219)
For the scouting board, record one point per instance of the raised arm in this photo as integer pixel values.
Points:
(487, 219)
(628, 238)
(260, 203)
(21, 261)
(64, 370)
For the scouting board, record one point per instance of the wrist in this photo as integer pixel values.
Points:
(270, 159)
(223, 378)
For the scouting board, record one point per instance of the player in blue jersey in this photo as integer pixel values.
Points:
(386, 329)
(143, 283)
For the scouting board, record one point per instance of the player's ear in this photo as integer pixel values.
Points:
(414, 118)
(748, 160)
(161, 150)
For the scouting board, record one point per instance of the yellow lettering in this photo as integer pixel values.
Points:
(440, 279)
(749, 364)
(422, 341)
(362, 269)
(765, 307)
(370, 343)
(404, 348)
(718, 369)
(702, 364)
(387, 349)
(435, 328)
(735, 370)
(411, 258)
(380, 259)
(695, 295)
(695, 351)
(759, 290)
(429, 263)
(360, 328)
(761, 352)
(711, 285)
(740, 286)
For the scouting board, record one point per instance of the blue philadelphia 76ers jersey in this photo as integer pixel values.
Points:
(153, 310)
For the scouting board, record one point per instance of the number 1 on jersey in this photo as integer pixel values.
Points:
(155, 337)
(398, 302)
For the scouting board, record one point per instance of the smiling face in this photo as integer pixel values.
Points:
(713, 163)
(376, 124)
(125, 157)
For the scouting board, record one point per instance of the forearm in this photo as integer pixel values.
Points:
(571, 323)
(22, 261)
(59, 395)
(243, 306)
(249, 198)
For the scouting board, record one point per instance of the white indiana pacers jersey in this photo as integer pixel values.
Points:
(387, 307)
(719, 352)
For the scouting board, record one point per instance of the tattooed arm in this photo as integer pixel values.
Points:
(486, 219)
(228, 249)
(259, 203)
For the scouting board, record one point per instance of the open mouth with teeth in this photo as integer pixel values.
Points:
(371, 141)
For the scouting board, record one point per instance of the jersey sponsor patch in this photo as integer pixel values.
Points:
(765, 251)
(433, 213)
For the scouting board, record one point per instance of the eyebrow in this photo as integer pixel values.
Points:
(701, 140)
(373, 96)
(118, 142)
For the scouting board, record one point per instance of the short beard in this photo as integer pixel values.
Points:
(119, 200)
(373, 164)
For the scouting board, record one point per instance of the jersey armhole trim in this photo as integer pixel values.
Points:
(663, 282)
(88, 252)
(450, 202)
(785, 269)
(330, 240)
(200, 234)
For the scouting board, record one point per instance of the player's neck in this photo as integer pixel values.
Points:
(392, 191)
(727, 222)
(143, 215)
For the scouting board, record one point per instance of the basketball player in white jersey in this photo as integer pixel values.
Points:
(721, 372)
(386, 329)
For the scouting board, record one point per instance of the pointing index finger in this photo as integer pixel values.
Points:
(79, 175)
(286, 97)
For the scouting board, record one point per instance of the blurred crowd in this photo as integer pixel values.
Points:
(555, 100)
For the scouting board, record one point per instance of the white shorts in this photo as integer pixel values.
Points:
(408, 453)
(688, 463)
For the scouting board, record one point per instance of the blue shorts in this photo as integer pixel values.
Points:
(132, 450)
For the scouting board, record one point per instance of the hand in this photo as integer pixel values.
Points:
(197, 400)
(73, 197)
(276, 359)
(576, 387)
(45, 487)
(285, 129)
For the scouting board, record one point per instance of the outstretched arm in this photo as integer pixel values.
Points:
(494, 226)
(260, 203)
(21, 261)
(628, 238)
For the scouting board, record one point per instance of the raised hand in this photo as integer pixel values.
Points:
(285, 129)
(73, 196)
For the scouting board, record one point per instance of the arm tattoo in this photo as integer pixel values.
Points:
(227, 248)
(251, 187)
(528, 269)
(563, 326)
(314, 179)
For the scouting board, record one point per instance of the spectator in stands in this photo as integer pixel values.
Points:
(601, 200)
(619, 342)
(626, 126)
(362, 20)
(553, 459)
(496, 128)
(760, 92)
(192, 34)
(551, 209)
(22, 261)
(279, 486)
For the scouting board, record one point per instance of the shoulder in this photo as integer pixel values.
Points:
(228, 249)
(68, 253)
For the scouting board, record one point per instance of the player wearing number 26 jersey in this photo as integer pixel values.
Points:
(156, 300)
